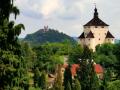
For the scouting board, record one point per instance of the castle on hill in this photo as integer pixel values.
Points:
(95, 32)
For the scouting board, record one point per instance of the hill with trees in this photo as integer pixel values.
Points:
(51, 35)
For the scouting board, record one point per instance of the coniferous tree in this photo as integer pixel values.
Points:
(29, 56)
(86, 73)
(94, 81)
(83, 75)
(68, 86)
(36, 77)
(67, 77)
(42, 82)
(105, 80)
(77, 85)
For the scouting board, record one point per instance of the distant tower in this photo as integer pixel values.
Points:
(46, 28)
(95, 32)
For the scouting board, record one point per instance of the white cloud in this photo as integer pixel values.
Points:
(48, 7)
(68, 9)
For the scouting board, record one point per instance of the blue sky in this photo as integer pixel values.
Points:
(67, 16)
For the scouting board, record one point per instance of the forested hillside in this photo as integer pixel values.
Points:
(51, 35)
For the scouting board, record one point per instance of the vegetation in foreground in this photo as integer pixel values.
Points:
(26, 68)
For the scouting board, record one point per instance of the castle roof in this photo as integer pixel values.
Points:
(90, 35)
(82, 35)
(96, 21)
(109, 35)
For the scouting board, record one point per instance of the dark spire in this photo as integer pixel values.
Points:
(96, 21)
(95, 13)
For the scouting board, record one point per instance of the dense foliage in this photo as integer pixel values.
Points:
(67, 78)
(108, 56)
(51, 54)
(12, 70)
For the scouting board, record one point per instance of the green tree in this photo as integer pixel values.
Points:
(67, 77)
(75, 54)
(94, 81)
(11, 59)
(29, 56)
(107, 56)
(77, 85)
(48, 56)
(106, 48)
(83, 75)
(36, 77)
(88, 77)
(42, 81)
(86, 73)
(6, 8)
(114, 85)
(106, 78)
(68, 86)
(117, 53)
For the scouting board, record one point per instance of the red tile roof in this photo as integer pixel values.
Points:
(74, 68)
(98, 68)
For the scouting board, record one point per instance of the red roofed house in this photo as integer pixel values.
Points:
(98, 69)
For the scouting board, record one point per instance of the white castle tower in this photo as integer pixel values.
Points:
(95, 32)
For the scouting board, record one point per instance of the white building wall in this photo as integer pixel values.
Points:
(110, 40)
(99, 33)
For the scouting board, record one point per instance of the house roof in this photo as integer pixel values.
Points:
(90, 35)
(96, 21)
(82, 36)
(74, 68)
(97, 67)
(109, 35)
